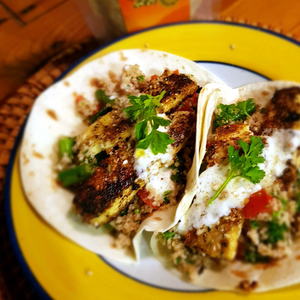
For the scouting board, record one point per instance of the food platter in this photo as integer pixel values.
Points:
(60, 269)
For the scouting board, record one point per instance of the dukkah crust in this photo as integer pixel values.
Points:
(177, 86)
(284, 110)
(221, 240)
(98, 194)
(225, 136)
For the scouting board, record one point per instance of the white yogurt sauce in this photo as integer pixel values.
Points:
(154, 169)
(279, 148)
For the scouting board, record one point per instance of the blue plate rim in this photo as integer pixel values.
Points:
(7, 193)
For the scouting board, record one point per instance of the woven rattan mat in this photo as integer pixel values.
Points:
(13, 283)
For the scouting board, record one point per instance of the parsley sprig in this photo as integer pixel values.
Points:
(234, 113)
(244, 165)
(143, 109)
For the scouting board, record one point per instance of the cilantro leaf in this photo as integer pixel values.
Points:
(233, 113)
(275, 232)
(244, 165)
(100, 94)
(254, 224)
(143, 108)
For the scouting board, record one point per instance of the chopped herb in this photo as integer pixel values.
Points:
(85, 152)
(244, 166)
(166, 198)
(76, 175)
(262, 111)
(251, 255)
(100, 94)
(190, 262)
(275, 232)
(108, 226)
(65, 146)
(100, 113)
(136, 211)
(276, 214)
(141, 78)
(178, 260)
(143, 109)
(254, 224)
(168, 235)
(234, 113)
(124, 212)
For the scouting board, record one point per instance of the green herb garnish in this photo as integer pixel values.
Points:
(244, 166)
(254, 224)
(76, 175)
(141, 78)
(275, 232)
(136, 211)
(143, 109)
(65, 146)
(168, 235)
(108, 226)
(234, 113)
(100, 94)
(166, 198)
(100, 113)
(178, 260)
(251, 255)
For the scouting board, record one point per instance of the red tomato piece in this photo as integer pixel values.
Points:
(78, 99)
(153, 77)
(208, 145)
(144, 195)
(259, 202)
(97, 109)
(187, 105)
(195, 99)
(176, 72)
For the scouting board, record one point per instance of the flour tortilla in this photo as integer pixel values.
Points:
(54, 115)
(283, 273)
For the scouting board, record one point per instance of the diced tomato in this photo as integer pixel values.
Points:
(195, 99)
(97, 109)
(144, 195)
(176, 72)
(153, 77)
(78, 99)
(208, 145)
(259, 202)
(187, 105)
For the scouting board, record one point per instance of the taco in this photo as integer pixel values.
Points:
(106, 151)
(242, 230)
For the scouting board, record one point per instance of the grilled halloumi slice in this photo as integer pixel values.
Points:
(104, 133)
(221, 240)
(177, 86)
(110, 189)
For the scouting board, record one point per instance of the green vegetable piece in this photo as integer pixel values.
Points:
(136, 211)
(275, 232)
(178, 260)
(143, 108)
(76, 175)
(168, 235)
(100, 113)
(253, 256)
(108, 226)
(141, 78)
(190, 262)
(100, 94)
(166, 198)
(244, 166)
(65, 146)
(234, 113)
(124, 212)
(254, 224)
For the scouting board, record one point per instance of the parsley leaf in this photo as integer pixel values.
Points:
(143, 108)
(100, 94)
(168, 235)
(234, 113)
(254, 224)
(245, 165)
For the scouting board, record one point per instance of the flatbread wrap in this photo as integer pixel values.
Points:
(241, 231)
(106, 151)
